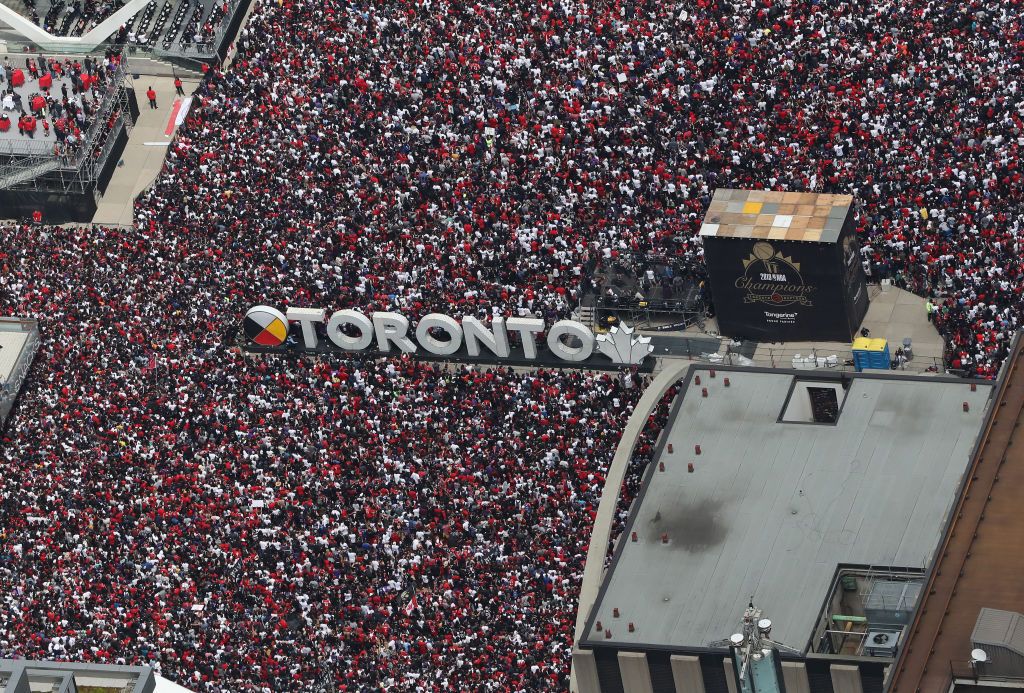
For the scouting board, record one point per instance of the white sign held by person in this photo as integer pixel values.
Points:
(442, 335)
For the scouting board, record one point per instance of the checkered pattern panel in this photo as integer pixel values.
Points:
(770, 214)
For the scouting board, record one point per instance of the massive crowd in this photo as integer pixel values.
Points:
(269, 524)
(356, 525)
(419, 155)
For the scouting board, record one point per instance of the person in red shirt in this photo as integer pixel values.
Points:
(27, 125)
(45, 81)
(151, 95)
(177, 86)
(5, 123)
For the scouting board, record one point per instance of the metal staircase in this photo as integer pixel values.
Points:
(587, 315)
(28, 169)
(32, 164)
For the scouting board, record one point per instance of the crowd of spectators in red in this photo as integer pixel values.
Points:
(253, 524)
(262, 524)
(475, 156)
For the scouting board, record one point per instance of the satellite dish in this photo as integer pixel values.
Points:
(736, 639)
(764, 625)
(979, 655)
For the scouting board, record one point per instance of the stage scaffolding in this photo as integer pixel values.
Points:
(677, 315)
(34, 166)
(646, 290)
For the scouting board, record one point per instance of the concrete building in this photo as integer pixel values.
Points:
(19, 342)
(820, 497)
(967, 635)
(23, 676)
(31, 676)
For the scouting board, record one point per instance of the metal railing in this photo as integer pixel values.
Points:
(28, 156)
(809, 359)
(32, 147)
(975, 672)
(29, 160)
(833, 359)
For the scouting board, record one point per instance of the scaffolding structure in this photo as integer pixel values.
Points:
(652, 314)
(34, 165)
(633, 287)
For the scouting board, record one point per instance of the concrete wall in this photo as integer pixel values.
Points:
(794, 674)
(636, 676)
(687, 674)
(730, 674)
(584, 669)
(688, 677)
(846, 679)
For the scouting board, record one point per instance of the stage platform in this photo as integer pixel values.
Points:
(13, 142)
(643, 290)
(66, 185)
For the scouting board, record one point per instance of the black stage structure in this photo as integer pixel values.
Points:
(784, 266)
(67, 188)
(648, 290)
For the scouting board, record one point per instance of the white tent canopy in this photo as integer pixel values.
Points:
(165, 686)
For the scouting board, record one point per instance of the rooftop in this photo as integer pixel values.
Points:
(773, 507)
(11, 344)
(981, 562)
(20, 675)
(791, 216)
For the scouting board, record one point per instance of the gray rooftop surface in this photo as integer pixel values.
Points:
(772, 508)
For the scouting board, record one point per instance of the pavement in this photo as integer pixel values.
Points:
(683, 346)
(893, 315)
(144, 155)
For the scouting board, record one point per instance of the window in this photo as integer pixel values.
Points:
(824, 404)
(814, 401)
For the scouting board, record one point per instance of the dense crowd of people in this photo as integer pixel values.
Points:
(483, 154)
(264, 524)
(253, 524)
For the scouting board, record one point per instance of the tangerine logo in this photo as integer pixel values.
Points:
(266, 326)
